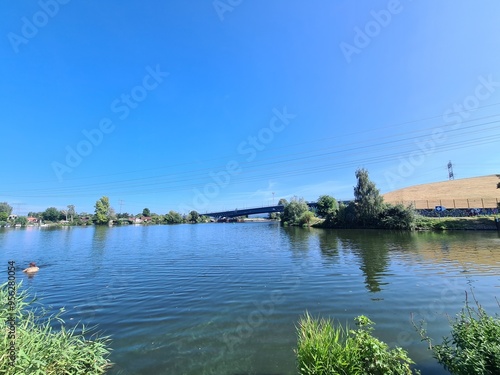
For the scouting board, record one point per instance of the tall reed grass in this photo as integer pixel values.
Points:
(43, 345)
(328, 349)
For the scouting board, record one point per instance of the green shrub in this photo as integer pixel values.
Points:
(306, 218)
(40, 349)
(324, 349)
(293, 211)
(474, 347)
(397, 217)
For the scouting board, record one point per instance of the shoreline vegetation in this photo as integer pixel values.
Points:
(42, 343)
(325, 348)
(367, 211)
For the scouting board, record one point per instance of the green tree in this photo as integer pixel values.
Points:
(23, 220)
(369, 202)
(4, 216)
(193, 217)
(282, 202)
(146, 212)
(326, 205)
(173, 218)
(51, 214)
(293, 211)
(5, 207)
(102, 211)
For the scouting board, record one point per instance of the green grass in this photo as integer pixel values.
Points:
(326, 349)
(41, 349)
(323, 348)
(455, 223)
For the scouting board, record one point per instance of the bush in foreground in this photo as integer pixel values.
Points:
(42, 350)
(326, 349)
(474, 347)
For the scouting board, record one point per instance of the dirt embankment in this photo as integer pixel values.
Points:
(475, 192)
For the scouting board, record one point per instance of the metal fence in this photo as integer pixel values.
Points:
(463, 204)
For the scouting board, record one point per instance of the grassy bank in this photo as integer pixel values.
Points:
(455, 223)
(41, 349)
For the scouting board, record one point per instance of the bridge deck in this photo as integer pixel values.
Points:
(250, 211)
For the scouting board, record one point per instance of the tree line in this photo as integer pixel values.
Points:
(103, 214)
(368, 210)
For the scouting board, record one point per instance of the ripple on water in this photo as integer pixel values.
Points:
(225, 299)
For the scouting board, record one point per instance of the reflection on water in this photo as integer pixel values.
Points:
(225, 298)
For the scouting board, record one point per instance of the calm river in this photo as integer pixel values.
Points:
(225, 298)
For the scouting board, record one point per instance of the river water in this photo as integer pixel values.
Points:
(226, 298)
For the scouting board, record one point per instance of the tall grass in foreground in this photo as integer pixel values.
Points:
(326, 349)
(42, 350)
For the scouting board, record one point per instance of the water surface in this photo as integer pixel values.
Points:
(225, 298)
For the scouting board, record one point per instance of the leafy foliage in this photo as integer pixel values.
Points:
(326, 205)
(344, 217)
(23, 220)
(474, 347)
(282, 202)
(102, 211)
(173, 218)
(193, 217)
(306, 218)
(146, 212)
(324, 349)
(398, 217)
(369, 202)
(367, 210)
(5, 207)
(51, 214)
(293, 211)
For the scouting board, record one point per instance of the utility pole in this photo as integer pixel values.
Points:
(273, 198)
(18, 207)
(121, 204)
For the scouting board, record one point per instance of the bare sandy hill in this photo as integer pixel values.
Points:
(475, 192)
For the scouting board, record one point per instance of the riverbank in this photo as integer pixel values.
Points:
(423, 223)
(456, 223)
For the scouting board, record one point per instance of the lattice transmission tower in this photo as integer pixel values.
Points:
(451, 176)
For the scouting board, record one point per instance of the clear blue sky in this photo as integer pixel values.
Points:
(208, 105)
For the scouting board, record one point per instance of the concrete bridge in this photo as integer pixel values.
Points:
(250, 211)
